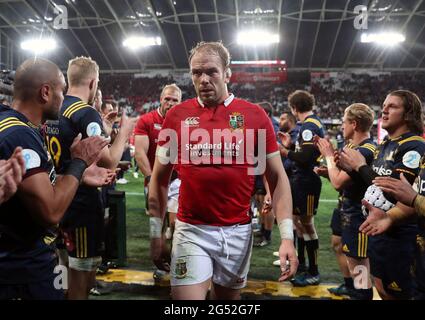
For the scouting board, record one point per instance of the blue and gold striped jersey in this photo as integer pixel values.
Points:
(26, 247)
(75, 117)
(399, 155)
(311, 126)
(356, 191)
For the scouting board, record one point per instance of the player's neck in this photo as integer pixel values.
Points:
(359, 137)
(79, 93)
(304, 115)
(33, 114)
(398, 132)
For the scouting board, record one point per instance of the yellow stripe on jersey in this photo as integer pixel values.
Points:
(4, 124)
(76, 109)
(85, 242)
(405, 171)
(365, 247)
(82, 242)
(413, 138)
(72, 107)
(11, 123)
(8, 119)
(315, 121)
(359, 244)
(368, 148)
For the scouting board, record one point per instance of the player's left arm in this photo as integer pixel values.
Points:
(282, 207)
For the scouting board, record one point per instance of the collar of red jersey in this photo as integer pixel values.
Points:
(159, 112)
(226, 102)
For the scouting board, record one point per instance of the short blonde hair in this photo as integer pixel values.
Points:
(172, 86)
(362, 114)
(80, 69)
(215, 47)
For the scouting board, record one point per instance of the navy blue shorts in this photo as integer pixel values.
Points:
(391, 259)
(43, 290)
(354, 242)
(305, 194)
(336, 223)
(83, 229)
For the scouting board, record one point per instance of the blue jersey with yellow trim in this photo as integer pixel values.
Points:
(27, 249)
(399, 155)
(75, 117)
(311, 126)
(356, 191)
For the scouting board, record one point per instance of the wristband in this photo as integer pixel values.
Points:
(148, 179)
(76, 168)
(155, 227)
(286, 229)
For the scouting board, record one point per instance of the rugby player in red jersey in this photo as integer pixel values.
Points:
(216, 139)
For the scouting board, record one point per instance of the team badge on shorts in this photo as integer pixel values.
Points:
(181, 269)
(236, 121)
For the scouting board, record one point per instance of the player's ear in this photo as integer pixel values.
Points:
(227, 75)
(92, 84)
(45, 92)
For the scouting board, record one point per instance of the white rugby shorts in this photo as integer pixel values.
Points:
(202, 252)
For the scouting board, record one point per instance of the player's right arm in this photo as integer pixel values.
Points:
(110, 157)
(49, 202)
(339, 178)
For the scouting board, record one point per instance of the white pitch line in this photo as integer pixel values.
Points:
(141, 194)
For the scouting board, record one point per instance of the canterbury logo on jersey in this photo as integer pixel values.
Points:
(192, 121)
(74, 108)
(11, 122)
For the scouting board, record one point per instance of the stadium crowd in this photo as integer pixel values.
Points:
(333, 94)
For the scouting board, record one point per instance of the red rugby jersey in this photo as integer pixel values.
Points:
(215, 185)
(149, 125)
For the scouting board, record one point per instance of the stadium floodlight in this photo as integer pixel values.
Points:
(383, 38)
(135, 43)
(257, 38)
(39, 45)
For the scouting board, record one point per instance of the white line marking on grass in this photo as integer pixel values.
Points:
(141, 194)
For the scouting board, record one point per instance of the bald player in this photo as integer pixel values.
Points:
(28, 219)
(83, 222)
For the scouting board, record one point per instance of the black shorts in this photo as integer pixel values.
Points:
(43, 290)
(391, 258)
(305, 194)
(354, 242)
(83, 229)
(419, 268)
(336, 223)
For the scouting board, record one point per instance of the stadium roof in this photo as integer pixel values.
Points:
(314, 34)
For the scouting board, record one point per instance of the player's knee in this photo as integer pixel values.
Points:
(336, 244)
